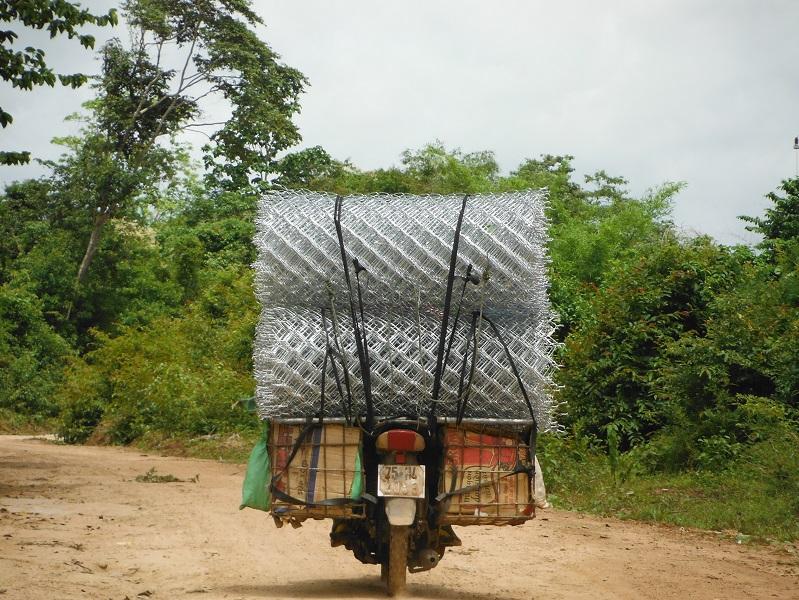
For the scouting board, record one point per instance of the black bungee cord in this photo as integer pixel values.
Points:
(460, 406)
(469, 277)
(362, 357)
(330, 351)
(342, 357)
(358, 268)
(442, 338)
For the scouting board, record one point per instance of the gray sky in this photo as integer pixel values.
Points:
(704, 92)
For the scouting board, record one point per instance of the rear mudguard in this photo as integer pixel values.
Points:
(400, 511)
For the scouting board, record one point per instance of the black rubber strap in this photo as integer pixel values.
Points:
(331, 351)
(518, 468)
(338, 380)
(513, 368)
(333, 319)
(457, 318)
(442, 338)
(284, 497)
(461, 403)
(309, 427)
(368, 372)
(365, 373)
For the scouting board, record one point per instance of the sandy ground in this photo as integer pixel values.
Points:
(74, 523)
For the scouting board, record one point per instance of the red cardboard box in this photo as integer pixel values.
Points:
(485, 463)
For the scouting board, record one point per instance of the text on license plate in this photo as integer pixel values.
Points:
(403, 481)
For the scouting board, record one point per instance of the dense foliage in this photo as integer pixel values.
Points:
(126, 306)
(25, 67)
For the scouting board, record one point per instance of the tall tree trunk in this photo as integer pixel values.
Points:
(91, 249)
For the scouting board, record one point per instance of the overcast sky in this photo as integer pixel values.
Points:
(705, 92)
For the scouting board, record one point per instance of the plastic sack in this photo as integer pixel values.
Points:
(356, 489)
(255, 490)
(539, 491)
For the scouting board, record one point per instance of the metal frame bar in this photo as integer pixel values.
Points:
(440, 419)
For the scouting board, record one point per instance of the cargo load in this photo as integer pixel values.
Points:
(486, 477)
(316, 470)
(403, 362)
(385, 258)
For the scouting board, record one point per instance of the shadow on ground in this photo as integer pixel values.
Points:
(355, 587)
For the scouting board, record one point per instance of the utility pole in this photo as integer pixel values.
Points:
(796, 152)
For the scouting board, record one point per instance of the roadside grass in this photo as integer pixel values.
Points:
(153, 476)
(227, 447)
(752, 499)
(14, 423)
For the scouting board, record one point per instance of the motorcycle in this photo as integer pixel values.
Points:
(395, 492)
(339, 325)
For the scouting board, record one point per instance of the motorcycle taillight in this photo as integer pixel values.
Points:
(400, 440)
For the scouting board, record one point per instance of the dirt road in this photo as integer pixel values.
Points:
(74, 523)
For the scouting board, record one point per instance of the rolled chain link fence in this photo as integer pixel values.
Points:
(404, 244)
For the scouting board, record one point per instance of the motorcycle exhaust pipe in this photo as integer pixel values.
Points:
(424, 560)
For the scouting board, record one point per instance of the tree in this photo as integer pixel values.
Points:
(591, 227)
(144, 98)
(222, 57)
(432, 169)
(781, 222)
(438, 170)
(26, 68)
(553, 173)
(301, 169)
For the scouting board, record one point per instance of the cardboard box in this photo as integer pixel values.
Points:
(327, 465)
(474, 458)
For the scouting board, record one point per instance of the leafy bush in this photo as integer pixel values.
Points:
(32, 355)
(82, 399)
(178, 375)
(737, 383)
(610, 374)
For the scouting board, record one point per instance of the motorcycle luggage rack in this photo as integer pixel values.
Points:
(487, 475)
(325, 477)
(514, 424)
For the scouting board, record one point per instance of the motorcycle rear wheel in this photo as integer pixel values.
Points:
(397, 559)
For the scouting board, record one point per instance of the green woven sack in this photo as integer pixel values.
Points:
(356, 489)
(255, 491)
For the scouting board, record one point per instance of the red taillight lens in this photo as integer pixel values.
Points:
(400, 440)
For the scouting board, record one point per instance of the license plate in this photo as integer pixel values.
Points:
(400, 481)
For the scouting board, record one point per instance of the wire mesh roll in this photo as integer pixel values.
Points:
(404, 243)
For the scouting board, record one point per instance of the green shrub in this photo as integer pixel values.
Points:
(32, 355)
(610, 372)
(181, 375)
(82, 398)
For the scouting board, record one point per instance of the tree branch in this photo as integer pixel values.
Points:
(211, 124)
(176, 95)
(150, 84)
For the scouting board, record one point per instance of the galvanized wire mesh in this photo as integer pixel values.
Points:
(404, 241)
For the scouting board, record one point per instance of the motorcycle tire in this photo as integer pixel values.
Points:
(397, 559)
